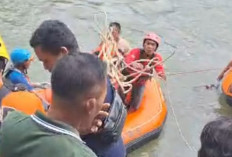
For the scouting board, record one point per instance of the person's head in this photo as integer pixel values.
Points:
(115, 27)
(216, 138)
(79, 87)
(151, 42)
(21, 58)
(51, 40)
(4, 56)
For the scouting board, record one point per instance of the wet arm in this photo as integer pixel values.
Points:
(225, 70)
(159, 68)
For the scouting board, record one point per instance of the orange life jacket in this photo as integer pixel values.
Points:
(98, 50)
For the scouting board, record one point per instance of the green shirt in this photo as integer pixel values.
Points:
(38, 136)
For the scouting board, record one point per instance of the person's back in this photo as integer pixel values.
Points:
(33, 139)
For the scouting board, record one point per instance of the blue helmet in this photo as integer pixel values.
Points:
(19, 56)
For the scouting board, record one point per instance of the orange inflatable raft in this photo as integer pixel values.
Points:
(146, 123)
(46, 94)
(226, 86)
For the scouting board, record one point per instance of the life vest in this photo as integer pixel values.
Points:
(137, 54)
(99, 49)
(43, 94)
(11, 69)
(142, 57)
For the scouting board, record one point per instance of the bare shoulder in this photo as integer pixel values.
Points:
(123, 41)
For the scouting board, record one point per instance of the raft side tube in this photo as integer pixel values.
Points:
(144, 139)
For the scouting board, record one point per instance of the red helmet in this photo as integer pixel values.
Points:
(152, 36)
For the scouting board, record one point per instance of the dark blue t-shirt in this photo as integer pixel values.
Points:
(110, 92)
(114, 149)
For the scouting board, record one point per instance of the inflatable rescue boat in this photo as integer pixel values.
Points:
(226, 86)
(146, 123)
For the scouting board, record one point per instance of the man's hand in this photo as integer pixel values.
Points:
(220, 76)
(162, 76)
(97, 123)
(138, 66)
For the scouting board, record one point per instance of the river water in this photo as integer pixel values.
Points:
(200, 32)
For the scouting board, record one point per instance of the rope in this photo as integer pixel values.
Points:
(192, 148)
(116, 65)
(191, 72)
(115, 61)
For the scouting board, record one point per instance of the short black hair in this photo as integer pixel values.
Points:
(116, 24)
(51, 35)
(216, 138)
(77, 74)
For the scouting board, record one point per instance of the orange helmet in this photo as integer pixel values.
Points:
(152, 36)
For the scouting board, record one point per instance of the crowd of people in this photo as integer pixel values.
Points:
(81, 97)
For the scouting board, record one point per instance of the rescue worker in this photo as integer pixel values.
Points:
(4, 57)
(21, 59)
(10, 100)
(53, 40)
(123, 45)
(151, 43)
